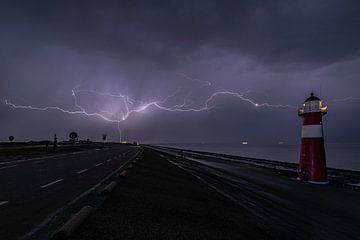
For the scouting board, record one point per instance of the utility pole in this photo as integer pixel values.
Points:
(55, 142)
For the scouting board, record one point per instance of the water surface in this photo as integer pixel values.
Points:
(338, 155)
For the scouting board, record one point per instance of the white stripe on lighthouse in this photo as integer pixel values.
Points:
(312, 131)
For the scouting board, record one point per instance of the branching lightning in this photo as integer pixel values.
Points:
(132, 106)
(350, 98)
(129, 110)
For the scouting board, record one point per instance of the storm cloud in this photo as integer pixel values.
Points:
(274, 51)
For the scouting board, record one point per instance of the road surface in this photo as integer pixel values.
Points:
(281, 204)
(33, 188)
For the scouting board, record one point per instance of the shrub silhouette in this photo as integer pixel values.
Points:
(104, 137)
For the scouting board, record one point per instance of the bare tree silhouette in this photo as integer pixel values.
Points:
(11, 138)
(73, 137)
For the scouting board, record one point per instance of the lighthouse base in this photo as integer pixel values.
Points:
(312, 165)
(313, 182)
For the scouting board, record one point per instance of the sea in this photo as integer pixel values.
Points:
(338, 155)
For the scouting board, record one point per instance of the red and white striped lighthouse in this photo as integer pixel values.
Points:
(312, 165)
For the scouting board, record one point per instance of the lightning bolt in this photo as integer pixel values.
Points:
(129, 103)
(132, 106)
(350, 98)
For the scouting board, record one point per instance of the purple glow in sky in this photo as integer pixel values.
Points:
(171, 71)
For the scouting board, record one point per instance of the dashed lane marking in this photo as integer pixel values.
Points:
(3, 203)
(9, 166)
(82, 171)
(354, 184)
(99, 164)
(52, 183)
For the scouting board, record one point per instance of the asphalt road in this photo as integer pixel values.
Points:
(281, 204)
(33, 188)
(158, 200)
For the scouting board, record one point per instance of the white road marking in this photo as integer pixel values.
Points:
(109, 160)
(3, 203)
(76, 153)
(99, 164)
(82, 171)
(52, 183)
(355, 184)
(34, 159)
(9, 166)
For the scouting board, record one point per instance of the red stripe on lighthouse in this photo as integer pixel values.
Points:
(312, 159)
(312, 164)
(312, 119)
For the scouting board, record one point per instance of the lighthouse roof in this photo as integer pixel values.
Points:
(312, 98)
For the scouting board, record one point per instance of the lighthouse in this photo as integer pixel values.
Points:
(312, 164)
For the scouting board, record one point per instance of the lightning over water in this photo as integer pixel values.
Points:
(131, 106)
(129, 103)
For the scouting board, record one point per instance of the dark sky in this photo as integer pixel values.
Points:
(272, 51)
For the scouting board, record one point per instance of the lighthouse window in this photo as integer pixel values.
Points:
(312, 106)
(315, 106)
